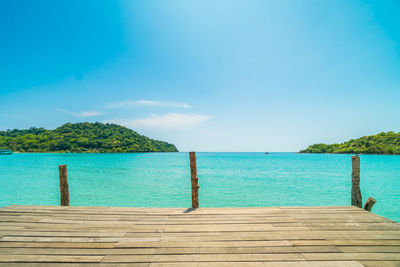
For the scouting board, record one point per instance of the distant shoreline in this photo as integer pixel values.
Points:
(348, 153)
(82, 137)
(60, 152)
(326, 153)
(385, 143)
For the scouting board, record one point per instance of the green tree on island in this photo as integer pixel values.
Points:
(383, 143)
(81, 137)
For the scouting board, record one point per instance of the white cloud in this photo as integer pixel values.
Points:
(82, 113)
(135, 103)
(167, 121)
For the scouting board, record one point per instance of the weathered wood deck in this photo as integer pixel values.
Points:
(274, 236)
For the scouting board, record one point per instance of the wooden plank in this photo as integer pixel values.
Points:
(92, 208)
(217, 221)
(77, 251)
(351, 256)
(218, 228)
(56, 245)
(365, 242)
(320, 242)
(169, 250)
(77, 239)
(381, 263)
(371, 249)
(91, 223)
(362, 236)
(59, 239)
(264, 264)
(248, 250)
(211, 264)
(316, 207)
(72, 228)
(202, 257)
(126, 225)
(251, 236)
(49, 258)
(26, 232)
(75, 264)
(352, 226)
(129, 244)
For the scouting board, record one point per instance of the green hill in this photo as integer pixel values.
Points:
(383, 143)
(81, 137)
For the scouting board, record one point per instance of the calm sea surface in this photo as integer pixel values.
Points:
(226, 180)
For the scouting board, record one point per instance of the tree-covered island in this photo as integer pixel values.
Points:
(81, 137)
(383, 143)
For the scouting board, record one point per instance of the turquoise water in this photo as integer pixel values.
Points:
(226, 180)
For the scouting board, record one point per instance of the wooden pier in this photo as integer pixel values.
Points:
(270, 236)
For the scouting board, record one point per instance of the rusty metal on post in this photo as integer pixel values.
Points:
(356, 199)
(64, 190)
(194, 180)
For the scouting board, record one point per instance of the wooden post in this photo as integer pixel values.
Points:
(355, 182)
(369, 203)
(194, 180)
(64, 190)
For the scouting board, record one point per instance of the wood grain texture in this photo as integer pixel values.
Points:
(369, 203)
(64, 188)
(194, 180)
(356, 199)
(270, 236)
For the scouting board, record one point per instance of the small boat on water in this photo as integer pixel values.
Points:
(5, 152)
(266, 153)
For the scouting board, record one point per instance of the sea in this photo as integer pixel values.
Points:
(225, 179)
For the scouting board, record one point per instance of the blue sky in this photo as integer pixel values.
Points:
(204, 75)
